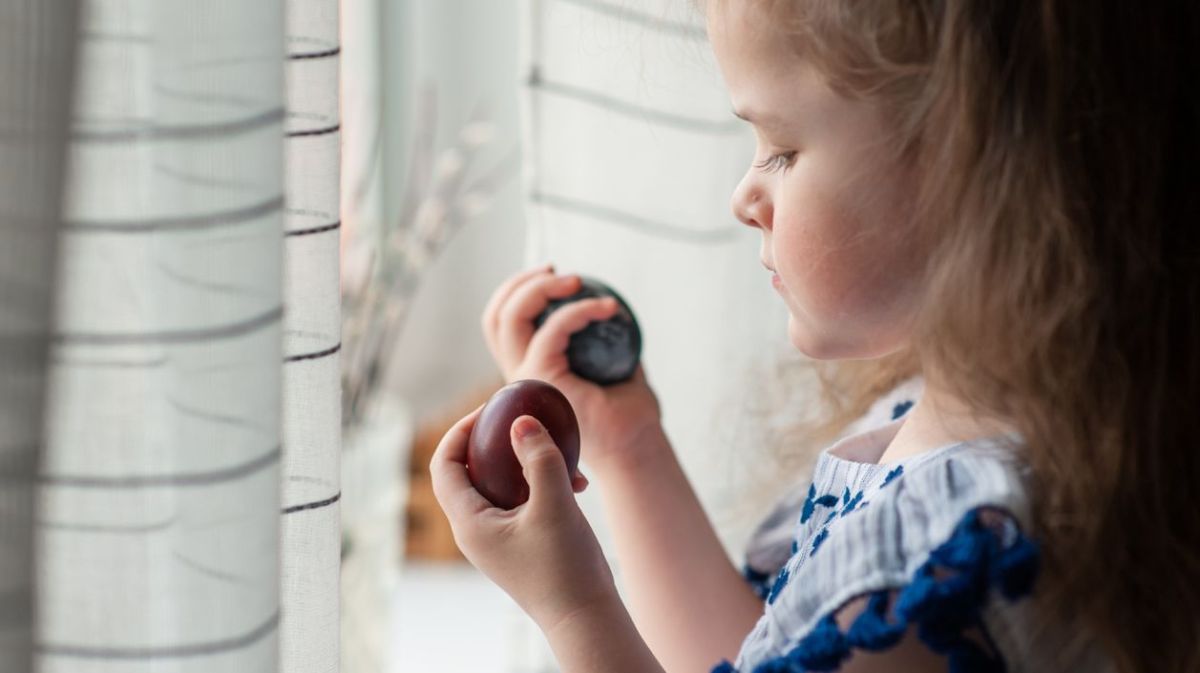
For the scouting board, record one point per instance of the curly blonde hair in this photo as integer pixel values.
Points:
(1054, 142)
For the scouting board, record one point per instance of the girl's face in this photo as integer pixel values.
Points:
(828, 201)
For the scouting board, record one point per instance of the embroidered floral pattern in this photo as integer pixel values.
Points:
(849, 504)
(780, 583)
(811, 502)
(818, 539)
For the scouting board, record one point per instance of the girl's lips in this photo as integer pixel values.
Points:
(775, 281)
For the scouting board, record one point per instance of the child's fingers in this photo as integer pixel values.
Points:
(639, 377)
(490, 320)
(542, 463)
(579, 483)
(448, 469)
(550, 341)
(527, 301)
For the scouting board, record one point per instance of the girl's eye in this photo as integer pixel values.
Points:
(776, 162)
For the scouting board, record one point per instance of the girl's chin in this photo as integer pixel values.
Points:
(820, 344)
(805, 339)
(824, 345)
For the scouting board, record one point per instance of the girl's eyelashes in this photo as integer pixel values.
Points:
(776, 162)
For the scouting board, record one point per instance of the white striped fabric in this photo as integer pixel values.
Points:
(182, 392)
(37, 48)
(159, 529)
(311, 528)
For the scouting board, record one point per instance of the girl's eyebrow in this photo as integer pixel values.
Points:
(761, 121)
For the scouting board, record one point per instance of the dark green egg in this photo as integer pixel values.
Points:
(606, 351)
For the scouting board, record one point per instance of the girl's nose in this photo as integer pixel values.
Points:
(750, 204)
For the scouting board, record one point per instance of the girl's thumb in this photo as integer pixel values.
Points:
(540, 459)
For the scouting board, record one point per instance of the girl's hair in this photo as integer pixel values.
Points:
(1053, 141)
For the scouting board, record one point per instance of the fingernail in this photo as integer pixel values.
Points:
(527, 426)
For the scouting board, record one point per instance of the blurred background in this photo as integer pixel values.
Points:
(244, 252)
(593, 134)
(604, 144)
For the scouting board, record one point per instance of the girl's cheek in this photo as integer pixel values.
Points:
(815, 250)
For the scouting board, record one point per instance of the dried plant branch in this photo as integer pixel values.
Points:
(437, 203)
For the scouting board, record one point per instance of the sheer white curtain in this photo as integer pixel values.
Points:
(159, 531)
(186, 513)
(37, 45)
(311, 529)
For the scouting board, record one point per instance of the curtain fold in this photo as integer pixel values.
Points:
(37, 46)
(169, 323)
(160, 497)
(311, 526)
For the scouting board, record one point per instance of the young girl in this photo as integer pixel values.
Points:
(990, 196)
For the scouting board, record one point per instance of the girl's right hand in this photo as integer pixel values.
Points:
(613, 420)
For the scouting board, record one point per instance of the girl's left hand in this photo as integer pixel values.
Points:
(543, 553)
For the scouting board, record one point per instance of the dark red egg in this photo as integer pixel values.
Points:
(492, 464)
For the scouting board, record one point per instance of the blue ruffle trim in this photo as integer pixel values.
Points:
(943, 600)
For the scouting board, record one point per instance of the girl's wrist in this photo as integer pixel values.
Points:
(600, 637)
(602, 606)
(646, 449)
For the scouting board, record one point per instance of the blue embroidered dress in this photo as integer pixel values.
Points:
(937, 540)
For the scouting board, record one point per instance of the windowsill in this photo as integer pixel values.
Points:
(450, 618)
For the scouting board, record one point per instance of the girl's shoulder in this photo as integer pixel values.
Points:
(937, 540)
(772, 543)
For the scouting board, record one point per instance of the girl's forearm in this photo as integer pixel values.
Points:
(601, 639)
(689, 602)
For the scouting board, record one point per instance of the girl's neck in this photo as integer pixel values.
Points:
(936, 420)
